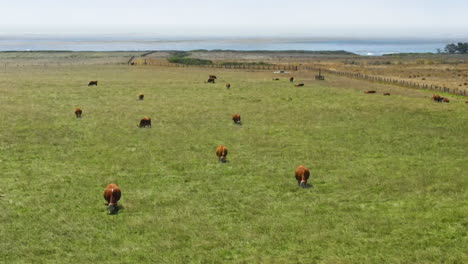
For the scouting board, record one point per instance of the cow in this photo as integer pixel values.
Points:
(145, 122)
(276, 79)
(386, 94)
(213, 77)
(78, 112)
(237, 119)
(211, 80)
(112, 195)
(370, 92)
(437, 98)
(445, 100)
(466, 102)
(299, 85)
(228, 85)
(302, 175)
(291, 79)
(221, 152)
(92, 83)
(141, 96)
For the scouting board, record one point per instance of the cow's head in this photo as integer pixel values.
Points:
(112, 209)
(222, 158)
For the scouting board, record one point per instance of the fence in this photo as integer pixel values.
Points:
(380, 79)
(222, 66)
(386, 80)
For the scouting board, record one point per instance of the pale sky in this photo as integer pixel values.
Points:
(360, 18)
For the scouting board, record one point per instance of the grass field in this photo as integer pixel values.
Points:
(389, 174)
(445, 70)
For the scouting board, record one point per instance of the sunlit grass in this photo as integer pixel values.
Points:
(389, 174)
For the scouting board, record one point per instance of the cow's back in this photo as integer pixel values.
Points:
(302, 171)
(221, 151)
(112, 191)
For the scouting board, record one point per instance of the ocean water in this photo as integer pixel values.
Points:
(359, 46)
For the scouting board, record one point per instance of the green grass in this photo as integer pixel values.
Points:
(389, 174)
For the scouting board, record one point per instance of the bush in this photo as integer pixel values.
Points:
(461, 48)
(232, 63)
(189, 61)
(181, 58)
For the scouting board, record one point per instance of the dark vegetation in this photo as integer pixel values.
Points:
(459, 48)
(181, 57)
(232, 63)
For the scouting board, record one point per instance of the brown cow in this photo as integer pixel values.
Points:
(386, 94)
(221, 152)
(445, 100)
(299, 85)
(141, 96)
(291, 79)
(92, 83)
(228, 85)
(276, 79)
(370, 92)
(237, 119)
(437, 98)
(466, 102)
(112, 195)
(78, 112)
(211, 80)
(213, 77)
(145, 122)
(302, 175)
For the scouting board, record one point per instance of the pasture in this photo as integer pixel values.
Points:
(389, 173)
(444, 70)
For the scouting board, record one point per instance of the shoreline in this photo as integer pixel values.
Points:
(308, 52)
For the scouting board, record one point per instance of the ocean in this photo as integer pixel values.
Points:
(367, 47)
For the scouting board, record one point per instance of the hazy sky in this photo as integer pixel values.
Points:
(360, 18)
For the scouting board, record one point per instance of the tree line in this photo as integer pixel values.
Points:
(458, 48)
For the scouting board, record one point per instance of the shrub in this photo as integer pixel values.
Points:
(189, 61)
(181, 58)
(232, 63)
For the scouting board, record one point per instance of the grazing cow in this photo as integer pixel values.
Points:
(228, 85)
(237, 119)
(437, 98)
(213, 77)
(141, 96)
(78, 112)
(276, 79)
(92, 83)
(299, 85)
(112, 195)
(445, 100)
(291, 79)
(211, 80)
(145, 122)
(370, 92)
(386, 94)
(302, 175)
(221, 152)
